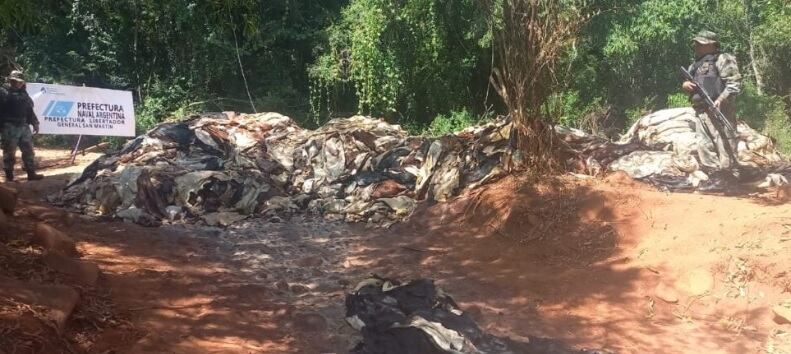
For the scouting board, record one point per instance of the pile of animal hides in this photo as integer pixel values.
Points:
(668, 148)
(420, 318)
(221, 168)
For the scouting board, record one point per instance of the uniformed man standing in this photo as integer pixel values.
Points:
(718, 73)
(16, 117)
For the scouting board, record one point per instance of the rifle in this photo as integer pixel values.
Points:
(707, 99)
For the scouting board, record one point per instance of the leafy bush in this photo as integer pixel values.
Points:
(414, 127)
(445, 124)
(161, 102)
(678, 100)
(568, 109)
(767, 114)
(777, 127)
(633, 114)
(408, 60)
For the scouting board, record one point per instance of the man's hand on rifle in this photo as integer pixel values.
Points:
(717, 103)
(689, 86)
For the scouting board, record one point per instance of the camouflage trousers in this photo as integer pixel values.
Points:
(18, 136)
(725, 140)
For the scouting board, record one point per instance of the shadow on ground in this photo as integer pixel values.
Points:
(529, 258)
(523, 258)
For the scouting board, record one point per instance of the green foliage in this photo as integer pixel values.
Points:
(678, 100)
(568, 109)
(651, 25)
(453, 122)
(422, 63)
(15, 13)
(630, 53)
(773, 37)
(644, 45)
(161, 104)
(186, 46)
(634, 113)
(767, 114)
(564, 106)
(409, 60)
(777, 127)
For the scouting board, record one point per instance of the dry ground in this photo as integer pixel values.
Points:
(599, 263)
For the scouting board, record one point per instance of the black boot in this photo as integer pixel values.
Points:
(33, 176)
(9, 175)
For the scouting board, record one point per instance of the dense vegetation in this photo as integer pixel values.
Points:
(423, 63)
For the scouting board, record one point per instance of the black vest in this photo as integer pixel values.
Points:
(15, 106)
(705, 72)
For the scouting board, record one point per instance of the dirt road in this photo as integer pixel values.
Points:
(255, 287)
(605, 264)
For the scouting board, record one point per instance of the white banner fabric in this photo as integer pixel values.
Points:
(78, 110)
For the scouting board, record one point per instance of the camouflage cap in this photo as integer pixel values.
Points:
(16, 75)
(706, 37)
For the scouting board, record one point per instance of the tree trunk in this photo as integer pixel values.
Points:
(759, 81)
(528, 45)
(748, 12)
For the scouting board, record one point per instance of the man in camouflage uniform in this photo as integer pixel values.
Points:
(718, 73)
(16, 117)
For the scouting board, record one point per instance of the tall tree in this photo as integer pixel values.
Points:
(531, 37)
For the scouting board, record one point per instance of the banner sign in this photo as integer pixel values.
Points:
(77, 110)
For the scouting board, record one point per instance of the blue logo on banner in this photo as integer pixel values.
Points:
(58, 108)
